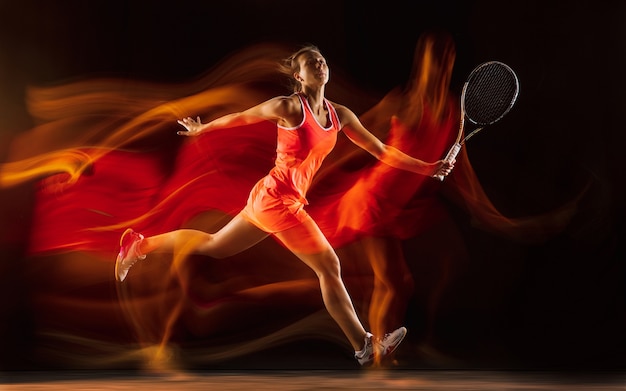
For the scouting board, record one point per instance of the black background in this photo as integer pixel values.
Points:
(566, 128)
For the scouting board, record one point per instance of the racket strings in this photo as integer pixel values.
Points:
(490, 93)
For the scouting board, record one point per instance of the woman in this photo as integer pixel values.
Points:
(307, 126)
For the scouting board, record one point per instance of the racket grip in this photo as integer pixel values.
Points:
(450, 156)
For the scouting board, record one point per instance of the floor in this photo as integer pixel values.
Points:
(372, 379)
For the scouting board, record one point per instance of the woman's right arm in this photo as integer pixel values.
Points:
(276, 110)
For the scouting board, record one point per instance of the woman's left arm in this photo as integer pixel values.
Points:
(359, 135)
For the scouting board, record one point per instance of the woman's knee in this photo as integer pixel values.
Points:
(194, 241)
(328, 266)
(220, 245)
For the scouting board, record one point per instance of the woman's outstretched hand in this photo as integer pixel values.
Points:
(193, 126)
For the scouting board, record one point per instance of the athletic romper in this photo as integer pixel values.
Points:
(276, 203)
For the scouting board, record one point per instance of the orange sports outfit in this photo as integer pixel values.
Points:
(276, 203)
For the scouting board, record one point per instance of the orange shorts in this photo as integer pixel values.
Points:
(271, 211)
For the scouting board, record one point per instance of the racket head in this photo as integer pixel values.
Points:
(489, 93)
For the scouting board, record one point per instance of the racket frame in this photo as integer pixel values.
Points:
(456, 147)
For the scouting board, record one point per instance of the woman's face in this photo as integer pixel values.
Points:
(313, 69)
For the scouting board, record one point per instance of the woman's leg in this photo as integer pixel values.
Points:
(308, 243)
(236, 236)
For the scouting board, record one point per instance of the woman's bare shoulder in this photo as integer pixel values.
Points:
(287, 109)
(286, 103)
(344, 112)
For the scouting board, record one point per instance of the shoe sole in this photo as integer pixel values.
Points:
(391, 349)
(128, 230)
(117, 260)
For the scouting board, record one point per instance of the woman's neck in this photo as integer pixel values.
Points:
(315, 97)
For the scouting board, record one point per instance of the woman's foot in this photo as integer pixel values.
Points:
(129, 253)
(379, 347)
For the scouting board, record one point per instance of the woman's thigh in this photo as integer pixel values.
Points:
(310, 245)
(236, 236)
(305, 239)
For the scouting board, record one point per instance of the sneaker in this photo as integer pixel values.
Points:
(380, 347)
(366, 356)
(128, 254)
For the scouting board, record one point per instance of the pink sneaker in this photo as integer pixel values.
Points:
(128, 254)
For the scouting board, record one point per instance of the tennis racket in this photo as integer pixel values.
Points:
(488, 95)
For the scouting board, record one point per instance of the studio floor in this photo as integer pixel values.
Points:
(372, 379)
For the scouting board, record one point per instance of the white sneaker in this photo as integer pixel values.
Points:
(380, 347)
(128, 254)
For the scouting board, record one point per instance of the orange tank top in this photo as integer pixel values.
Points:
(300, 151)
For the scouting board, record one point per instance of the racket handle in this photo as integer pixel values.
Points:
(450, 156)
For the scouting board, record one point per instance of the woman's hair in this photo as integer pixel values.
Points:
(290, 65)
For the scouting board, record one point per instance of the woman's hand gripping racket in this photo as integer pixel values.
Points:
(488, 94)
